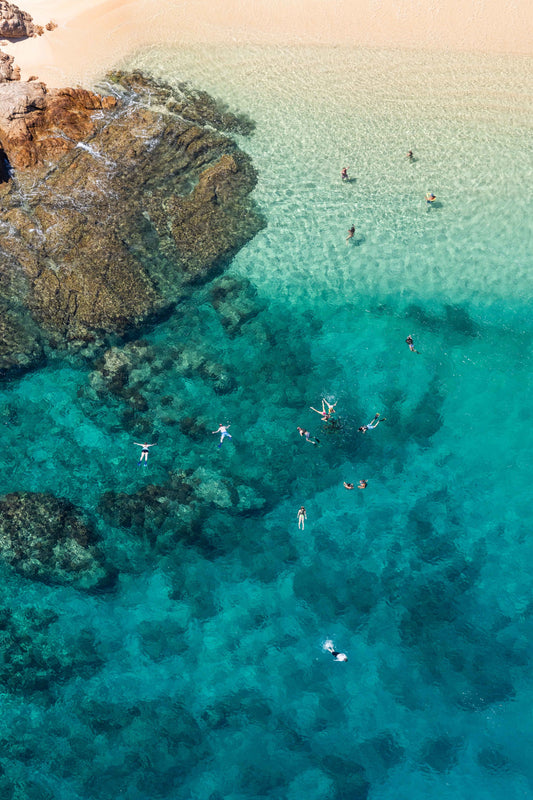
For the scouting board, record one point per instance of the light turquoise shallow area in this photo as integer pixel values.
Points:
(214, 682)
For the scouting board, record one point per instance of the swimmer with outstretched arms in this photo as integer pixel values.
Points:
(223, 430)
(336, 655)
(372, 424)
(144, 451)
(331, 407)
(348, 485)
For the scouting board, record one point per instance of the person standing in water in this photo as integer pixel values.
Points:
(410, 155)
(344, 174)
(411, 344)
(223, 430)
(302, 516)
(144, 451)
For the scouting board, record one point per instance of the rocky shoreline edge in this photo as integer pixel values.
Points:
(114, 207)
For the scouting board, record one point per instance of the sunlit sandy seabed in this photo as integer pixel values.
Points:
(214, 683)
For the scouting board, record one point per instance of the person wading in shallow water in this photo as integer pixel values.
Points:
(351, 233)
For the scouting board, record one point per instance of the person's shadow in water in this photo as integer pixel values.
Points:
(349, 180)
(355, 241)
(434, 204)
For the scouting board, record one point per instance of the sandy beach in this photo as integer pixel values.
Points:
(91, 35)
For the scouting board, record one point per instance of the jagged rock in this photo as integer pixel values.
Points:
(45, 538)
(21, 346)
(8, 71)
(112, 215)
(39, 125)
(14, 23)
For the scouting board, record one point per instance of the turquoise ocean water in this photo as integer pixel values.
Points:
(204, 675)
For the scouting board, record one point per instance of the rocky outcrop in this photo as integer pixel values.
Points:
(39, 125)
(117, 204)
(16, 24)
(8, 70)
(45, 538)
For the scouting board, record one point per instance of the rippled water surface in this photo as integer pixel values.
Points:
(204, 676)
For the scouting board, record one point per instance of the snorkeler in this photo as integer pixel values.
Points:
(351, 233)
(362, 484)
(223, 430)
(144, 451)
(336, 655)
(371, 425)
(348, 485)
(302, 516)
(411, 344)
(307, 435)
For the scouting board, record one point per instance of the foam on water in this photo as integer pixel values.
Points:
(213, 680)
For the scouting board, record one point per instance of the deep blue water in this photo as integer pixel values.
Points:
(203, 676)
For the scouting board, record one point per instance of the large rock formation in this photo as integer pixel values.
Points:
(114, 205)
(8, 70)
(16, 24)
(45, 538)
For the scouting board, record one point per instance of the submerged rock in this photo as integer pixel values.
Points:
(36, 659)
(113, 206)
(45, 538)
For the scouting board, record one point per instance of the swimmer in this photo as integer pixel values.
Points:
(331, 408)
(144, 451)
(348, 485)
(337, 656)
(351, 233)
(362, 484)
(430, 198)
(372, 424)
(411, 344)
(324, 414)
(410, 155)
(302, 516)
(344, 174)
(307, 435)
(223, 430)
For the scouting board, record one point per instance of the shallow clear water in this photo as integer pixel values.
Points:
(213, 681)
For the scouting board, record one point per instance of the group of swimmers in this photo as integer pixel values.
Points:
(430, 197)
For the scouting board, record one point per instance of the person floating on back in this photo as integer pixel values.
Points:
(144, 451)
(336, 655)
(302, 516)
(372, 424)
(325, 415)
(308, 438)
(223, 430)
(344, 174)
(411, 344)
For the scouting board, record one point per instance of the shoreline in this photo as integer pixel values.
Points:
(95, 36)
